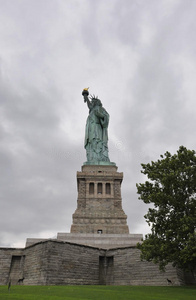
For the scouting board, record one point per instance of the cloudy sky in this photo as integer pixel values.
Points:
(138, 56)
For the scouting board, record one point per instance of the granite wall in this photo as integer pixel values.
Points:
(55, 262)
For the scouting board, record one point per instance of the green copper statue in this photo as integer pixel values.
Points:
(96, 135)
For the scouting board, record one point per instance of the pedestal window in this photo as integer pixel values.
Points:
(91, 188)
(99, 188)
(108, 188)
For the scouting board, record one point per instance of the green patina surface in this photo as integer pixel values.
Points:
(96, 133)
(102, 163)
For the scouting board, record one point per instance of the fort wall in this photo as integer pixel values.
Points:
(55, 262)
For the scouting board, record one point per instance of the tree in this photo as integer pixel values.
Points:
(171, 189)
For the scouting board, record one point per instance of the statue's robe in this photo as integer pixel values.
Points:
(96, 134)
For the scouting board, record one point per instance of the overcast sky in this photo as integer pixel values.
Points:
(138, 56)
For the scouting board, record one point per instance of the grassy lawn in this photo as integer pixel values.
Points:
(97, 292)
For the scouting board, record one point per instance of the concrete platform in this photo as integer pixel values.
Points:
(103, 241)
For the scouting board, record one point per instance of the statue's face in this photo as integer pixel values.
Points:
(96, 102)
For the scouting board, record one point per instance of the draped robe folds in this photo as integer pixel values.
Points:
(96, 135)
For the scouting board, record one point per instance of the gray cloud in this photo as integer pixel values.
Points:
(137, 56)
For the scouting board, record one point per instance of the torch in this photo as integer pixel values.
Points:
(85, 93)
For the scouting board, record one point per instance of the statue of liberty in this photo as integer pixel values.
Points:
(96, 133)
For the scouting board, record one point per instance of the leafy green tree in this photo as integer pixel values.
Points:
(171, 189)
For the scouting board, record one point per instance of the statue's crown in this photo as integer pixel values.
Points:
(93, 97)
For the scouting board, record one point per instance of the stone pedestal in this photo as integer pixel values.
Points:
(99, 204)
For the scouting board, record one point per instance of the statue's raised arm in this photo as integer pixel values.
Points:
(85, 94)
(96, 134)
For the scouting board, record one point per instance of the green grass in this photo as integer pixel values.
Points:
(97, 293)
